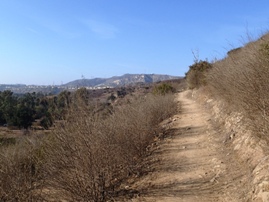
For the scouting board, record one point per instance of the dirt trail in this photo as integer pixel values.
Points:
(193, 163)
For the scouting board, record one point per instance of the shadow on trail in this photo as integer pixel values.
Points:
(163, 162)
(178, 189)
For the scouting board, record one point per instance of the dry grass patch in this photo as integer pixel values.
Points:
(242, 81)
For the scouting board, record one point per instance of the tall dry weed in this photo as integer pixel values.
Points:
(21, 175)
(242, 80)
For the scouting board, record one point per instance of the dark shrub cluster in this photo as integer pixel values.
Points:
(196, 76)
(163, 89)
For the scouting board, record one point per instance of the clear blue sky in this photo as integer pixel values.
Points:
(57, 41)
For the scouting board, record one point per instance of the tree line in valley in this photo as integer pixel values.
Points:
(20, 111)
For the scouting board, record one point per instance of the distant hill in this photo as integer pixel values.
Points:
(116, 81)
(126, 79)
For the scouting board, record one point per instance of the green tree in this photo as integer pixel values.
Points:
(25, 110)
(8, 107)
(2, 117)
(163, 89)
(46, 121)
(25, 116)
(41, 108)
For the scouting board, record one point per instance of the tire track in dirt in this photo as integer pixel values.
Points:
(193, 163)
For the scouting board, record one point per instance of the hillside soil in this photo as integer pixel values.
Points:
(193, 162)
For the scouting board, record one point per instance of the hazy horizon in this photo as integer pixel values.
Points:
(53, 84)
(49, 42)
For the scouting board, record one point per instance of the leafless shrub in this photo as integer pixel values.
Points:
(87, 157)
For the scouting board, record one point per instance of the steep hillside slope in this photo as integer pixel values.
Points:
(241, 82)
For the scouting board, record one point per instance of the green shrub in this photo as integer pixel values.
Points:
(163, 89)
(196, 76)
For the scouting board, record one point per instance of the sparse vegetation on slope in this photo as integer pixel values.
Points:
(242, 81)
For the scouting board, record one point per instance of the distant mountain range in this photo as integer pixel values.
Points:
(115, 81)
(126, 79)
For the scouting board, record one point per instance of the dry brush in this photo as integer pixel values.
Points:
(242, 81)
(87, 156)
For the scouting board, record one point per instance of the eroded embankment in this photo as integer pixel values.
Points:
(251, 150)
(195, 162)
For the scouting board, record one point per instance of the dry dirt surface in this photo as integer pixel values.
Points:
(193, 163)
